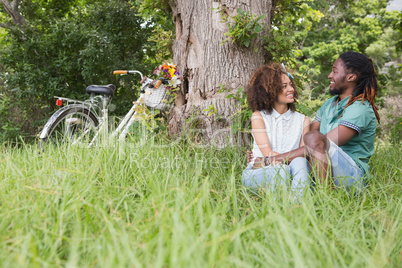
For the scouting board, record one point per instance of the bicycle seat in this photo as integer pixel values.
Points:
(103, 90)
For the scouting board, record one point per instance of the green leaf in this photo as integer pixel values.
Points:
(247, 42)
(240, 11)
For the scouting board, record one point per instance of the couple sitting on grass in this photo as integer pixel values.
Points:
(335, 147)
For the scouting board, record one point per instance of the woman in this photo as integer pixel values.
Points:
(276, 128)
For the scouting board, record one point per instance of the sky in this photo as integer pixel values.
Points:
(394, 5)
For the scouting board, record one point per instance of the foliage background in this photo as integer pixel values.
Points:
(65, 47)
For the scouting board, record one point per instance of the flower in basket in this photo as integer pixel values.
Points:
(170, 73)
(174, 82)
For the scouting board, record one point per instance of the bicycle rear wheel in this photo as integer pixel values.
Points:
(74, 125)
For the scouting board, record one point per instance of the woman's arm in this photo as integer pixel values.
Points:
(306, 128)
(260, 134)
(299, 152)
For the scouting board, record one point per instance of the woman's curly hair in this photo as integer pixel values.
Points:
(264, 87)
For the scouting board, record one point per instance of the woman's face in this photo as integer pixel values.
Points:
(286, 96)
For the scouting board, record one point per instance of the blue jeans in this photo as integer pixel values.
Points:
(345, 172)
(275, 177)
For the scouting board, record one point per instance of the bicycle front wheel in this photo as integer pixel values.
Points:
(72, 125)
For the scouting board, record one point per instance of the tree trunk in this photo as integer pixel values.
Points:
(205, 65)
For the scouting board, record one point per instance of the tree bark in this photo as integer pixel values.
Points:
(13, 10)
(205, 65)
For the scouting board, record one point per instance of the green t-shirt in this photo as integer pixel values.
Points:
(358, 116)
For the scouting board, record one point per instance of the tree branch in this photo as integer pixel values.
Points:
(14, 4)
(12, 9)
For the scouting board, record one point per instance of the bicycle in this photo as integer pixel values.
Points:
(86, 122)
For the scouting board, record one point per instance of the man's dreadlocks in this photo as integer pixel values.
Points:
(367, 86)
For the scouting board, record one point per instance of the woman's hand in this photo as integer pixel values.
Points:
(273, 161)
(258, 162)
(249, 157)
(272, 153)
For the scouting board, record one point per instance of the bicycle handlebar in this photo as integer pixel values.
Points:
(161, 81)
(119, 72)
(158, 83)
(128, 72)
(154, 83)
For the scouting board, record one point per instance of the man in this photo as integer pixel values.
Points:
(341, 140)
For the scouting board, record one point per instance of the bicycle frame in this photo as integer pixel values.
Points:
(128, 120)
(123, 127)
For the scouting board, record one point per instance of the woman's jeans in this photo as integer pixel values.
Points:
(277, 176)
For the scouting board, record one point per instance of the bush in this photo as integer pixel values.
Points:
(390, 128)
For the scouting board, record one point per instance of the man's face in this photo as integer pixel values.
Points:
(337, 78)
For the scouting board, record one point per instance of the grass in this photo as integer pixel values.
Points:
(180, 206)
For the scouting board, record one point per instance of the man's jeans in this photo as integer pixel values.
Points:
(346, 173)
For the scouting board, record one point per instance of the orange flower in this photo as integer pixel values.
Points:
(165, 66)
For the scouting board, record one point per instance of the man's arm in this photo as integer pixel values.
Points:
(315, 126)
(341, 135)
(299, 152)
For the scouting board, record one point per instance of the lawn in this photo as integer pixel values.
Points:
(174, 205)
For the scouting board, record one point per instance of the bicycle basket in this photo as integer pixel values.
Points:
(156, 98)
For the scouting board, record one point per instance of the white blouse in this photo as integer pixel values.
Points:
(284, 131)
